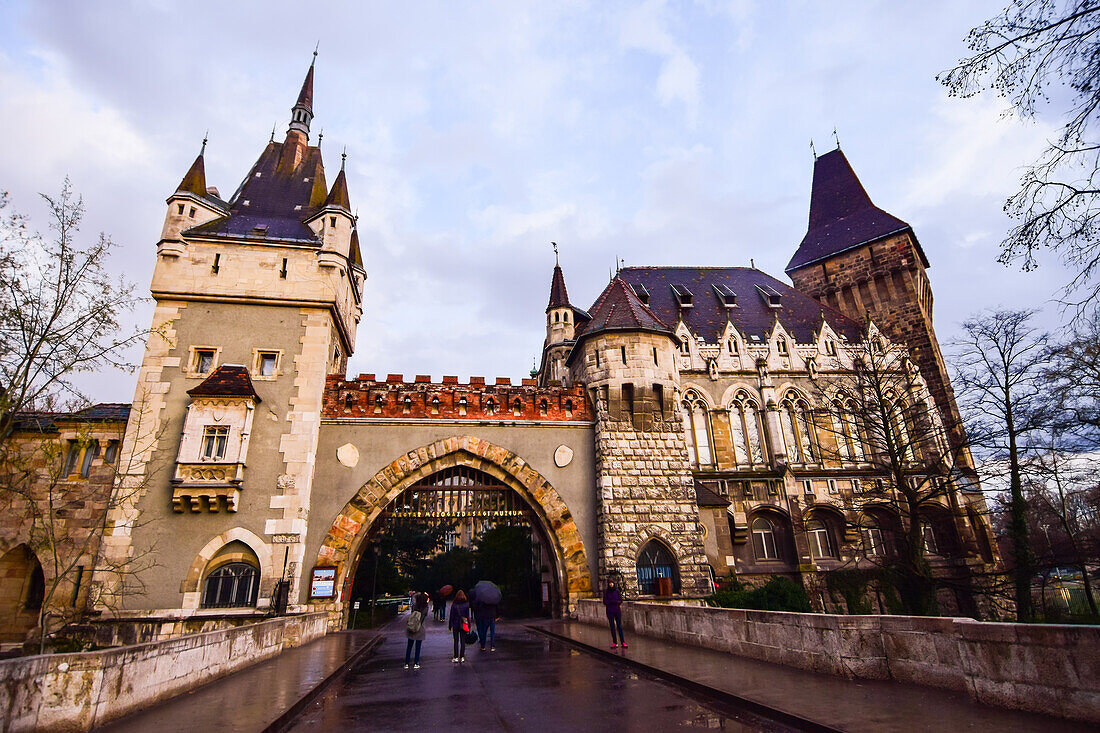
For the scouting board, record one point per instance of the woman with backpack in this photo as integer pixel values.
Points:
(459, 624)
(414, 628)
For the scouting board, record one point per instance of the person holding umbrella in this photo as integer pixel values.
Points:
(486, 597)
(459, 624)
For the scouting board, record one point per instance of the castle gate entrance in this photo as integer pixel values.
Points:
(473, 487)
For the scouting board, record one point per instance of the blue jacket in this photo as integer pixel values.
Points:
(459, 610)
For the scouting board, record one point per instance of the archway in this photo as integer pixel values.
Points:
(568, 561)
(22, 587)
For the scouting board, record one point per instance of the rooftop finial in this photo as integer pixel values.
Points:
(273, 132)
(555, 246)
(813, 151)
(343, 157)
(836, 137)
(752, 263)
(315, 50)
(205, 135)
(320, 136)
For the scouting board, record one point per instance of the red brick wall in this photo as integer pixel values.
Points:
(422, 399)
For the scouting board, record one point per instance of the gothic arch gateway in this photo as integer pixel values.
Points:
(353, 525)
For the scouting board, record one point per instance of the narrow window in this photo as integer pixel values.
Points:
(597, 350)
(628, 400)
(204, 361)
(70, 458)
(76, 585)
(830, 347)
(268, 362)
(91, 452)
(462, 405)
(763, 540)
(832, 486)
(217, 263)
(781, 345)
(622, 353)
(569, 408)
(179, 209)
(659, 398)
(332, 221)
(857, 486)
(111, 452)
(191, 213)
(282, 272)
(655, 362)
(336, 354)
(214, 441)
(543, 406)
(808, 487)
(517, 407)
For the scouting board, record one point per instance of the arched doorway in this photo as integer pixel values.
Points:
(565, 556)
(22, 588)
(455, 527)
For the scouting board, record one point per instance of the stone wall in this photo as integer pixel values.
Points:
(1043, 668)
(76, 692)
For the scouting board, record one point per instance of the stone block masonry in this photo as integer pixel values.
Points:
(1041, 668)
(77, 692)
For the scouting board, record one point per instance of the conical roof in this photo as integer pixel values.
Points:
(338, 196)
(559, 296)
(194, 181)
(305, 97)
(842, 216)
(620, 309)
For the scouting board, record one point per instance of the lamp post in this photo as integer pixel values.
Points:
(374, 582)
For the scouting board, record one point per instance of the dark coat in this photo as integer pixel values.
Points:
(459, 611)
(485, 611)
(420, 603)
(612, 600)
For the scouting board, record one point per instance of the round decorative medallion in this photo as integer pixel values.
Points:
(562, 456)
(348, 455)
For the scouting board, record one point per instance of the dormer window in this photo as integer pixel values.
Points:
(771, 296)
(781, 345)
(830, 347)
(684, 297)
(726, 296)
(731, 345)
(642, 293)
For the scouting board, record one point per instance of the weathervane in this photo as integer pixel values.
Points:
(812, 150)
(273, 132)
(315, 48)
(205, 135)
(343, 157)
(837, 138)
(555, 246)
(320, 136)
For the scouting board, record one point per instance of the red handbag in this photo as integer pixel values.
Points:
(465, 625)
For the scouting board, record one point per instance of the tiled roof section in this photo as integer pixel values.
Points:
(338, 196)
(707, 497)
(194, 181)
(98, 413)
(559, 296)
(842, 216)
(228, 380)
(619, 309)
(305, 97)
(799, 313)
(275, 198)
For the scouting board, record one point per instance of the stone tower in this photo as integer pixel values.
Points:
(561, 325)
(869, 265)
(258, 298)
(625, 357)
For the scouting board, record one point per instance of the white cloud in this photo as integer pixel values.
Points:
(645, 28)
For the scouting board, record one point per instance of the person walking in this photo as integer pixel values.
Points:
(438, 606)
(414, 628)
(459, 624)
(486, 616)
(613, 601)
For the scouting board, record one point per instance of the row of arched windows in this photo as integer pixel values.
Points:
(798, 432)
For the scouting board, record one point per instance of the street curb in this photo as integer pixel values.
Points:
(706, 691)
(284, 721)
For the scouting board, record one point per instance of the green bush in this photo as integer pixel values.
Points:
(778, 594)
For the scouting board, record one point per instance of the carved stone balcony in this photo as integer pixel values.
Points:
(207, 486)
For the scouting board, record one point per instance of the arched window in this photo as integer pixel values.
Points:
(849, 437)
(765, 545)
(656, 561)
(697, 430)
(745, 431)
(980, 534)
(877, 531)
(798, 433)
(899, 426)
(822, 545)
(233, 585)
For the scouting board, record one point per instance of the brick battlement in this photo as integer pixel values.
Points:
(393, 397)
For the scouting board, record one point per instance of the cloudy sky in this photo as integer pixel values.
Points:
(661, 133)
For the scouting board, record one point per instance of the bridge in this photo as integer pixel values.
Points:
(560, 675)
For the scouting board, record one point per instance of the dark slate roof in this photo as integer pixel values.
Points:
(706, 496)
(842, 216)
(45, 421)
(272, 197)
(194, 181)
(305, 97)
(559, 296)
(228, 380)
(619, 309)
(799, 313)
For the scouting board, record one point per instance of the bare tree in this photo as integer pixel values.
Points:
(1000, 361)
(879, 412)
(1027, 54)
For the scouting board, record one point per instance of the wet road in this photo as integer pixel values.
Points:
(530, 683)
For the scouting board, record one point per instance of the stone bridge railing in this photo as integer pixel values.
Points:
(76, 692)
(1044, 668)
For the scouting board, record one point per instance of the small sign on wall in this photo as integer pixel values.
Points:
(322, 583)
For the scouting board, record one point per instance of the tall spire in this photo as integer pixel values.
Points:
(301, 114)
(194, 181)
(559, 296)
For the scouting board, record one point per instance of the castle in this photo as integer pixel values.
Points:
(673, 433)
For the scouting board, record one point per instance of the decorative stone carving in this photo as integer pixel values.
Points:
(563, 456)
(348, 455)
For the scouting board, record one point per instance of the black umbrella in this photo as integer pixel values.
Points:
(487, 592)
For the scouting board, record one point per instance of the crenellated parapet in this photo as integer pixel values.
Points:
(422, 399)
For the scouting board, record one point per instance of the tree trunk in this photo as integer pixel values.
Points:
(1017, 526)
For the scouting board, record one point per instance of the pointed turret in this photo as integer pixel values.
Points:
(194, 181)
(620, 309)
(338, 195)
(559, 296)
(842, 216)
(301, 114)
